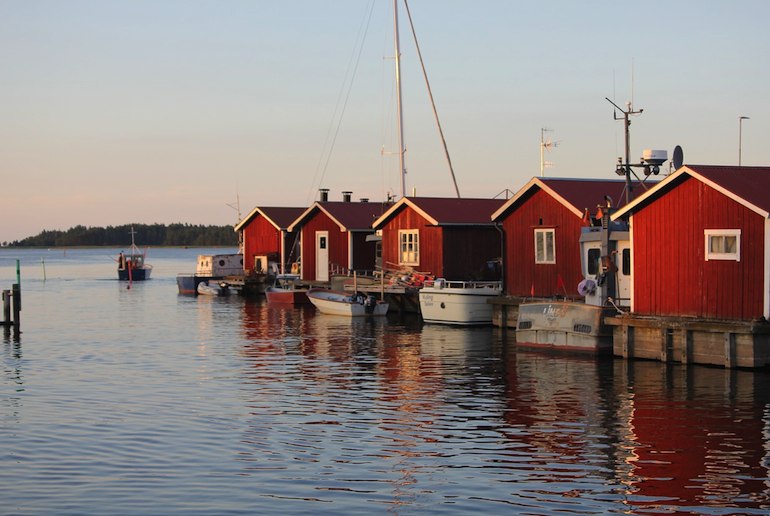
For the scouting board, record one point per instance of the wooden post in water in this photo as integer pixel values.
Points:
(7, 308)
(16, 305)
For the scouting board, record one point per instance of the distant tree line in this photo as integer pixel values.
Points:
(145, 235)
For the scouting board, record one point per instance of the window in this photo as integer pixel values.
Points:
(626, 262)
(409, 247)
(545, 247)
(594, 257)
(723, 244)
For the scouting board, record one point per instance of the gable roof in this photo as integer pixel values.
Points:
(574, 194)
(445, 211)
(349, 216)
(748, 186)
(280, 217)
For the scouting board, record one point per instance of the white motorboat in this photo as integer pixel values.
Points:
(458, 302)
(342, 303)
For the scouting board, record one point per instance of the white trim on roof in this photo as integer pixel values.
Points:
(695, 175)
(251, 216)
(535, 181)
(398, 206)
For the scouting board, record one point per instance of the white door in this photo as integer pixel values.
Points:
(623, 262)
(322, 255)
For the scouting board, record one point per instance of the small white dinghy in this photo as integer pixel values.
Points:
(213, 289)
(342, 303)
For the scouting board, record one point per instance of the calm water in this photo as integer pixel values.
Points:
(140, 401)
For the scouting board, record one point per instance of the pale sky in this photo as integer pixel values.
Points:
(121, 111)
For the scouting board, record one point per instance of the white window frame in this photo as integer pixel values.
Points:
(408, 238)
(544, 248)
(710, 234)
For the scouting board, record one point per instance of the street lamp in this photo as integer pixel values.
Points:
(740, 136)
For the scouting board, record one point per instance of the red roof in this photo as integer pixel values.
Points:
(575, 194)
(749, 186)
(280, 217)
(350, 216)
(445, 211)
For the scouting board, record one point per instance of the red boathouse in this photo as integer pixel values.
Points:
(333, 237)
(541, 224)
(701, 245)
(446, 237)
(265, 232)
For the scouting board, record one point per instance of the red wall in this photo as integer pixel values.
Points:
(537, 209)
(431, 251)
(467, 251)
(259, 238)
(671, 275)
(455, 253)
(337, 244)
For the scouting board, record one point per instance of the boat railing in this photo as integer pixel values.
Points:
(444, 283)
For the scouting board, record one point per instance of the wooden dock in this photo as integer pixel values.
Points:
(731, 344)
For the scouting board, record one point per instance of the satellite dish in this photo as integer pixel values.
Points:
(678, 158)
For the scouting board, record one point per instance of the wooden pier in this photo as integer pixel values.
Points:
(731, 344)
(12, 304)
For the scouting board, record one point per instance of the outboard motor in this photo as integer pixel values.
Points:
(369, 304)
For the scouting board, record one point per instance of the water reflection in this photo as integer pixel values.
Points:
(697, 436)
(413, 406)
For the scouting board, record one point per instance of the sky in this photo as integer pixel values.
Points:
(159, 111)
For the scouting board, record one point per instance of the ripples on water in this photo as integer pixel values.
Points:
(139, 401)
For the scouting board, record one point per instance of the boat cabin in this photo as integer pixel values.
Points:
(443, 237)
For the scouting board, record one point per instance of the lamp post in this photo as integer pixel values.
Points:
(740, 136)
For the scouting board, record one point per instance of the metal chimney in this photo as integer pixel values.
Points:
(324, 194)
(364, 199)
(346, 196)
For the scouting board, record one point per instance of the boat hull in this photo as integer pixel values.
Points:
(139, 274)
(188, 283)
(461, 303)
(341, 303)
(286, 296)
(563, 325)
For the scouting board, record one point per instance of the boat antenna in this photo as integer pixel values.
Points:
(400, 107)
(432, 102)
(625, 169)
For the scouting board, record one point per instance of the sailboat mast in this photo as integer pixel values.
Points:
(399, 105)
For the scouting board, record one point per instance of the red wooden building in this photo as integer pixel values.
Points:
(700, 243)
(541, 227)
(446, 237)
(265, 232)
(333, 238)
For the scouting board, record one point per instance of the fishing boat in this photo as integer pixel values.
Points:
(210, 267)
(333, 302)
(579, 325)
(458, 302)
(132, 265)
(213, 288)
(605, 259)
(285, 291)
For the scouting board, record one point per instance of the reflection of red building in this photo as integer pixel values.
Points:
(265, 233)
(697, 443)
